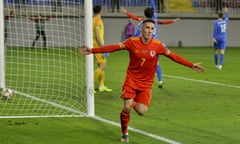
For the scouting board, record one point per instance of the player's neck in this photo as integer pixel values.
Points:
(98, 15)
(145, 41)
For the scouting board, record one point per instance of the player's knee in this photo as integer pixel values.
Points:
(141, 111)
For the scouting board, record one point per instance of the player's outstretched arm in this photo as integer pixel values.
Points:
(179, 59)
(130, 15)
(226, 14)
(165, 22)
(104, 49)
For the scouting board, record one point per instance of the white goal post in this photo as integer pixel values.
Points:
(39, 59)
(2, 60)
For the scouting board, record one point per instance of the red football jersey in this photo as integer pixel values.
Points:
(143, 61)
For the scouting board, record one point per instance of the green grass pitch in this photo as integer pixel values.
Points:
(192, 108)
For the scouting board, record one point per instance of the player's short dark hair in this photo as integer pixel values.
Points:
(220, 15)
(97, 9)
(148, 20)
(148, 12)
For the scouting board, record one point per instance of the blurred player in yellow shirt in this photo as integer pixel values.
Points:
(98, 41)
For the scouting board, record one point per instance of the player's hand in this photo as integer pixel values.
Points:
(84, 51)
(123, 10)
(214, 42)
(225, 9)
(197, 67)
(177, 20)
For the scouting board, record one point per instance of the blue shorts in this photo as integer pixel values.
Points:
(220, 45)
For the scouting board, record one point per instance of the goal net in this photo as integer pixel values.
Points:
(42, 65)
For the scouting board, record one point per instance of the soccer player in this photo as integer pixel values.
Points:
(220, 37)
(40, 28)
(6, 22)
(150, 12)
(143, 52)
(98, 41)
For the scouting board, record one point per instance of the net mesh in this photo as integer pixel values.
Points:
(43, 68)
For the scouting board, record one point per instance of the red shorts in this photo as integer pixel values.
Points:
(142, 96)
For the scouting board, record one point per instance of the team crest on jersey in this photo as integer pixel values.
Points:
(152, 53)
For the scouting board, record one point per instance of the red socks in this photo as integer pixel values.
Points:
(124, 117)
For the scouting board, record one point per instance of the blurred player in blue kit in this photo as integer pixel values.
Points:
(220, 37)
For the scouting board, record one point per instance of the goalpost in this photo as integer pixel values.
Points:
(2, 60)
(46, 74)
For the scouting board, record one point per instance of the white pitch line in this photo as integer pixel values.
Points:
(138, 131)
(49, 102)
(202, 81)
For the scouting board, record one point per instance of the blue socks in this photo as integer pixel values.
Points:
(221, 59)
(159, 72)
(216, 58)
